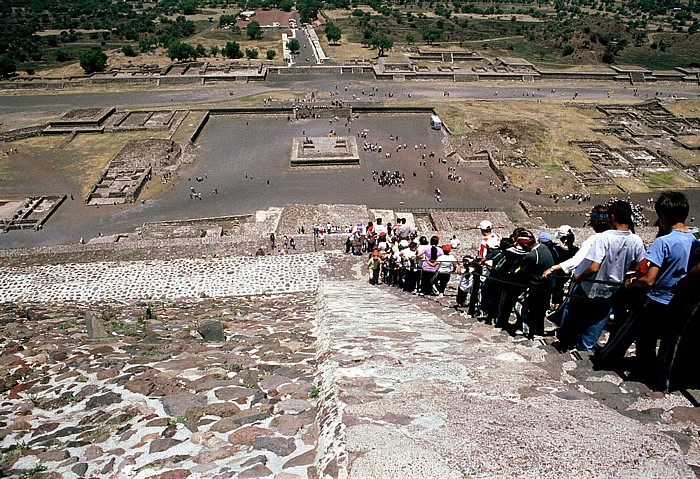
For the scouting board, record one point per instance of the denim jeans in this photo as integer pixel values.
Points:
(583, 320)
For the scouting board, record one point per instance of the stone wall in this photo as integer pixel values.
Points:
(23, 133)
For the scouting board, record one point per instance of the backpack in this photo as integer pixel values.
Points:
(499, 259)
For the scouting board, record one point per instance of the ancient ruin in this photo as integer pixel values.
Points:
(128, 172)
(30, 212)
(325, 151)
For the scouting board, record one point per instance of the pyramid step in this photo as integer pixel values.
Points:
(403, 394)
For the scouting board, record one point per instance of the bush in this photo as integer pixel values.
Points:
(270, 54)
(62, 56)
(181, 51)
(129, 51)
(93, 60)
(233, 50)
(7, 66)
(251, 53)
(569, 50)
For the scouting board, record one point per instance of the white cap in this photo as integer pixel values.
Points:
(485, 225)
(563, 230)
(403, 244)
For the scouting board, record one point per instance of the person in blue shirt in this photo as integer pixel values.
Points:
(666, 263)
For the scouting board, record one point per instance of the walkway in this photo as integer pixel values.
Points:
(412, 392)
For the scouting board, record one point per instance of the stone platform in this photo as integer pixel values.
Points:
(317, 374)
(325, 151)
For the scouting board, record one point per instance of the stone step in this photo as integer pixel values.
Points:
(161, 278)
(406, 394)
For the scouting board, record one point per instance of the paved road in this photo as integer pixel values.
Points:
(35, 103)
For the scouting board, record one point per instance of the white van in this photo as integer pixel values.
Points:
(435, 122)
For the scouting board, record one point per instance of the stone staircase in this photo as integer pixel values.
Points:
(410, 389)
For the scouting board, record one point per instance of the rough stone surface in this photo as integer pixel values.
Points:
(317, 364)
(454, 389)
(95, 327)
(281, 446)
(212, 332)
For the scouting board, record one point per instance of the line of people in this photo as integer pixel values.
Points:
(611, 275)
(517, 281)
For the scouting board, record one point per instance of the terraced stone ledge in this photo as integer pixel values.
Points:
(152, 399)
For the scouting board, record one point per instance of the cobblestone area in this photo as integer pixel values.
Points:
(152, 400)
(178, 278)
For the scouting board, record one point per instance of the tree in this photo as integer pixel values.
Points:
(431, 35)
(308, 10)
(62, 55)
(93, 60)
(181, 51)
(145, 45)
(254, 30)
(227, 20)
(286, 5)
(233, 50)
(128, 51)
(293, 45)
(382, 43)
(569, 50)
(410, 38)
(251, 53)
(333, 32)
(215, 51)
(200, 51)
(188, 7)
(7, 66)
(270, 54)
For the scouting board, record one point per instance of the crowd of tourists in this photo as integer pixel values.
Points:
(611, 281)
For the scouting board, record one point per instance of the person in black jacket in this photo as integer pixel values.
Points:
(508, 292)
(528, 272)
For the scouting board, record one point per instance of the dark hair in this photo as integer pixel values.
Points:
(622, 212)
(516, 233)
(600, 219)
(433, 250)
(423, 240)
(672, 206)
(569, 239)
(506, 242)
